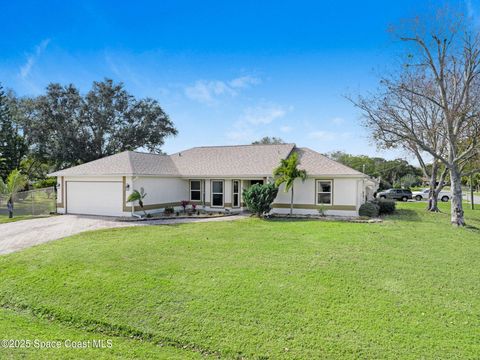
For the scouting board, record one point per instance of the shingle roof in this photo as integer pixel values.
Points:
(124, 163)
(242, 160)
(210, 161)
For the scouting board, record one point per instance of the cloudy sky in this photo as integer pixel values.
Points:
(225, 72)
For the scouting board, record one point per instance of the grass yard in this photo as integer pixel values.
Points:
(4, 218)
(406, 288)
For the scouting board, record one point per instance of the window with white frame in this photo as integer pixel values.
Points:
(217, 193)
(195, 190)
(324, 192)
(235, 193)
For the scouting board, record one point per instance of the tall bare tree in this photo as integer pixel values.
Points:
(442, 69)
(397, 118)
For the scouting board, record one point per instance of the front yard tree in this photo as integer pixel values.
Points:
(15, 182)
(68, 128)
(399, 119)
(13, 147)
(442, 69)
(287, 173)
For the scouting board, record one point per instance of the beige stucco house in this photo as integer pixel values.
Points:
(212, 177)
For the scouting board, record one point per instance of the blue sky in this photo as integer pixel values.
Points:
(226, 72)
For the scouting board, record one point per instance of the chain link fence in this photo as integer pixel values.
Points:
(33, 202)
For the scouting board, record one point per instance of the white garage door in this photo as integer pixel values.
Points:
(94, 198)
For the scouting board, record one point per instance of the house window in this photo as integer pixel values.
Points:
(236, 193)
(195, 190)
(324, 192)
(217, 193)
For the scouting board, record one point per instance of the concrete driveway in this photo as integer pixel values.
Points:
(19, 235)
(22, 234)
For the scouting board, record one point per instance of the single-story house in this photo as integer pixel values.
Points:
(213, 177)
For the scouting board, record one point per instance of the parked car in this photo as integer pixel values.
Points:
(423, 195)
(396, 194)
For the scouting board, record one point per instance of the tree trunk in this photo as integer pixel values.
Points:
(472, 196)
(457, 215)
(291, 203)
(433, 202)
(433, 194)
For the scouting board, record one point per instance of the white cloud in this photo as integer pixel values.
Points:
(208, 91)
(286, 129)
(247, 127)
(263, 114)
(32, 58)
(244, 82)
(328, 135)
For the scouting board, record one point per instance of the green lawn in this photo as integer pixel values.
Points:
(4, 218)
(405, 288)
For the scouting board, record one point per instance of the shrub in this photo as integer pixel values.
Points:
(48, 182)
(169, 210)
(194, 207)
(259, 198)
(368, 209)
(322, 210)
(385, 206)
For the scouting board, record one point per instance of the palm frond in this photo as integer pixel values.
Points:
(288, 171)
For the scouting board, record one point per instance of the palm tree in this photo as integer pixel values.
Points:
(286, 174)
(138, 196)
(16, 181)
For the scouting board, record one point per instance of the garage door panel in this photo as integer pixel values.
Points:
(94, 198)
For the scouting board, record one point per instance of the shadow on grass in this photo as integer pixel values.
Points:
(404, 215)
(289, 219)
(472, 228)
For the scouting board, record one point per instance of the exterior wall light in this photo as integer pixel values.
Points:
(127, 187)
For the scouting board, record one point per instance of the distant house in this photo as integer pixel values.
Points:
(213, 177)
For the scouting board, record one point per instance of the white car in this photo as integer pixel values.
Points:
(423, 195)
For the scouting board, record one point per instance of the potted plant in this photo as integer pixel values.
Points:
(138, 196)
(184, 204)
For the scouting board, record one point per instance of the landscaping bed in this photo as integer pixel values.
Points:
(180, 215)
